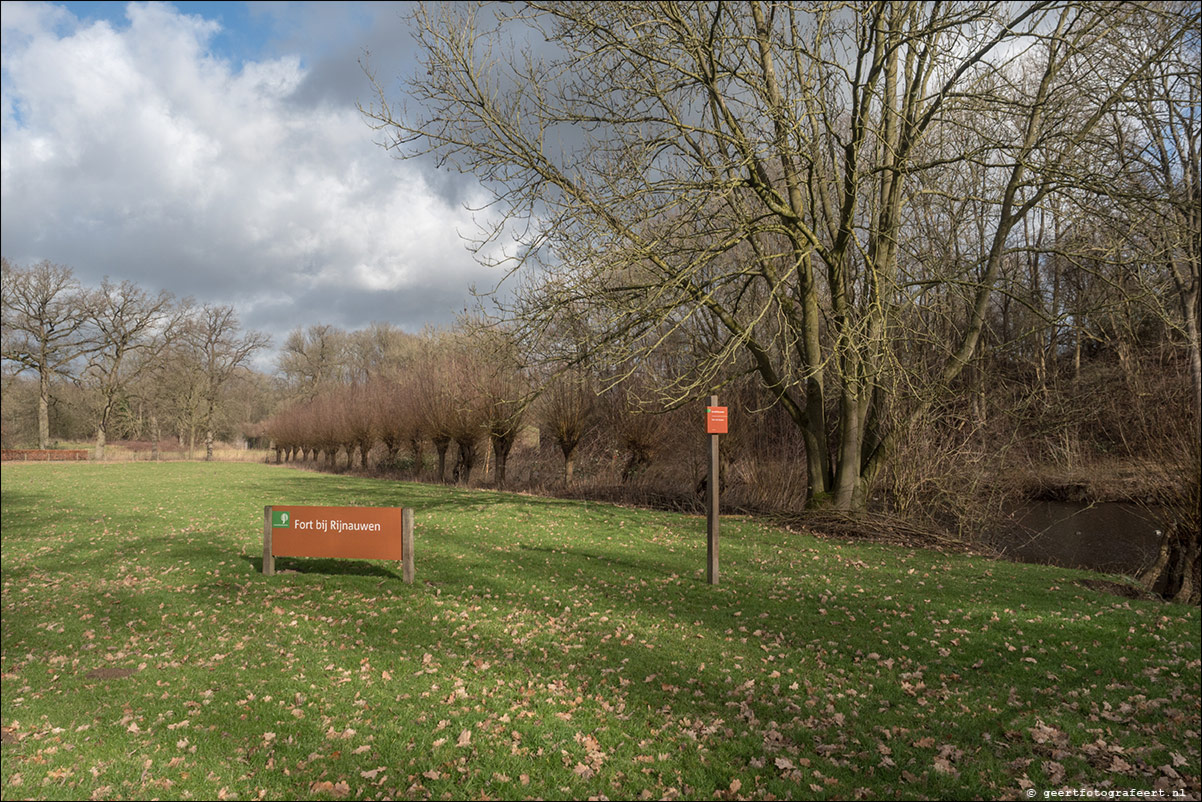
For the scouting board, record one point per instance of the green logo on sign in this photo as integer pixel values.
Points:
(280, 520)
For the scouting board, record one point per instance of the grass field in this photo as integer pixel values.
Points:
(554, 649)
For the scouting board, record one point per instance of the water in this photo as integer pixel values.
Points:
(1113, 537)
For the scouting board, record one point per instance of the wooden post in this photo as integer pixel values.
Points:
(711, 547)
(268, 559)
(407, 545)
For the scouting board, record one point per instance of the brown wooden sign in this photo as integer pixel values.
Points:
(355, 533)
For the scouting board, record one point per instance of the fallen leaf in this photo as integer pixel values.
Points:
(1054, 771)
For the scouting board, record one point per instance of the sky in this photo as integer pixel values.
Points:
(216, 151)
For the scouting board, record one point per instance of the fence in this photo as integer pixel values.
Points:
(44, 455)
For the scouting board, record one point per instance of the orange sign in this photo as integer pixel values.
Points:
(361, 533)
(715, 420)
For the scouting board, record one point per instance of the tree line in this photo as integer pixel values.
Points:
(141, 361)
(454, 395)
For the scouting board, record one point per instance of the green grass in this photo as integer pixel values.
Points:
(551, 648)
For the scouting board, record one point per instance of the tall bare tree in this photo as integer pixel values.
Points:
(131, 328)
(314, 359)
(220, 349)
(45, 316)
(1164, 185)
(380, 350)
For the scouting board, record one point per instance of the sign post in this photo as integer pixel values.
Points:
(715, 425)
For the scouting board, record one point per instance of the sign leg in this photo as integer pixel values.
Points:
(407, 571)
(711, 546)
(268, 558)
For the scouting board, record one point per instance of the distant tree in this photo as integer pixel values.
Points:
(45, 316)
(175, 387)
(433, 397)
(502, 388)
(460, 366)
(639, 425)
(130, 328)
(314, 359)
(567, 410)
(220, 349)
(383, 408)
(361, 422)
(381, 350)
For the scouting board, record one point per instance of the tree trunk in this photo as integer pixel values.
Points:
(43, 411)
(569, 459)
(501, 446)
(441, 445)
(102, 429)
(465, 462)
(1175, 575)
(636, 463)
(1193, 331)
(417, 446)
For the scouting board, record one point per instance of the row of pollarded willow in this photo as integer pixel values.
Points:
(466, 390)
(439, 389)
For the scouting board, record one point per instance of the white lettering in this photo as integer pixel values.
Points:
(351, 526)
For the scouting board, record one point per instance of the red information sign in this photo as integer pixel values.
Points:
(715, 420)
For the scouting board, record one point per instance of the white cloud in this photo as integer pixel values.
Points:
(132, 151)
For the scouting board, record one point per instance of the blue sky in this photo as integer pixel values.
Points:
(215, 150)
(247, 32)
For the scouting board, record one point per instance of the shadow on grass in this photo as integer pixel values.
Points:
(574, 557)
(21, 502)
(351, 491)
(327, 567)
